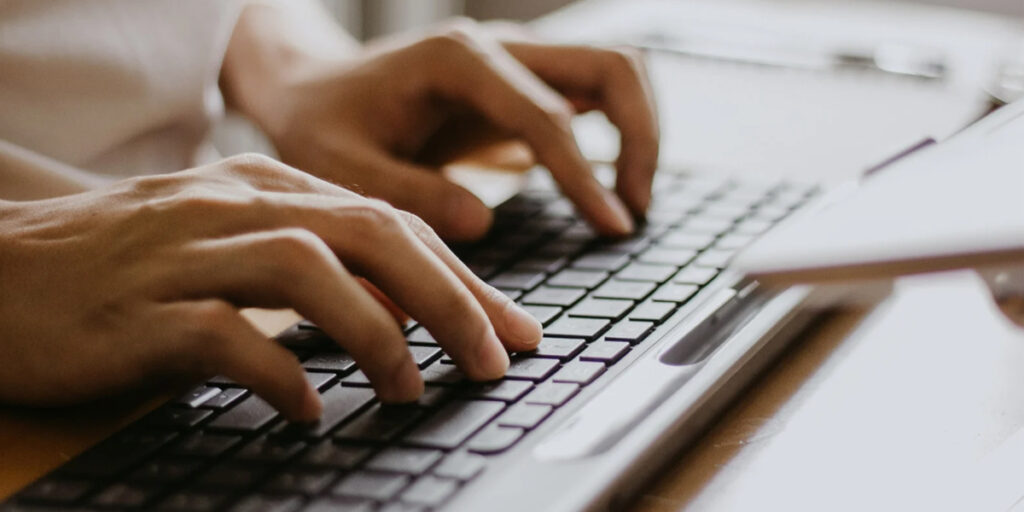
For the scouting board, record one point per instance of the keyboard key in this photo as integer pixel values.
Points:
(686, 240)
(616, 289)
(421, 336)
(629, 331)
(608, 261)
(191, 501)
(337, 456)
(319, 380)
(55, 491)
(164, 470)
(439, 373)
(225, 398)
(733, 241)
(577, 278)
(409, 461)
(558, 348)
(606, 352)
(340, 504)
(543, 314)
(630, 245)
(232, 475)
(267, 503)
(494, 439)
(330, 361)
(551, 393)
(423, 356)
(579, 372)
(117, 453)
(699, 276)
(301, 481)
(340, 404)
(249, 415)
(707, 225)
(454, 423)
(202, 444)
(460, 466)
(121, 495)
(530, 368)
(646, 272)
(715, 258)
(269, 450)
(172, 418)
(549, 296)
(652, 311)
(197, 396)
(549, 264)
(370, 485)
(517, 280)
(612, 309)
(505, 391)
(380, 423)
(673, 292)
(667, 256)
(572, 327)
(356, 379)
(524, 415)
(429, 491)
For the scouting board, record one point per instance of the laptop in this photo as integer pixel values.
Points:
(646, 341)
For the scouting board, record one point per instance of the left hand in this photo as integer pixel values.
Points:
(362, 122)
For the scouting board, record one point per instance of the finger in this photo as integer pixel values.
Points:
(294, 268)
(400, 316)
(227, 344)
(517, 329)
(478, 71)
(617, 81)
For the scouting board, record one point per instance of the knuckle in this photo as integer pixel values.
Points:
(254, 164)
(374, 219)
(293, 249)
(417, 225)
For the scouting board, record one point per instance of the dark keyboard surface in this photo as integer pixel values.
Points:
(219, 447)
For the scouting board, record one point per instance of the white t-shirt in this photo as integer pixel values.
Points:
(114, 87)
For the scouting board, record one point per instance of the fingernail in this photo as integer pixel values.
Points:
(522, 325)
(492, 360)
(311, 405)
(623, 221)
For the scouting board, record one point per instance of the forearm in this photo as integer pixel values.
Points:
(274, 42)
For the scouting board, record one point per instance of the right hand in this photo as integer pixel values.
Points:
(104, 289)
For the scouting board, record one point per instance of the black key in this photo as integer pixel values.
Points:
(579, 372)
(249, 415)
(203, 444)
(117, 453)
(653, 311)
(517, 280)
(616, 289)
(494, 439)
(687, 240)
(646, 272)
(549, 296)
(421, 336)
(409, 461)
(267, 503)
(429, 491)
(340, 403)
(225, 398)
(340, 504)
(524, 415)
(172, 418)
(338, 456)
(505, 391)
(197, 396)
(601, 308)
(552, 393)
(356, 379)
(558, 348)
(673, 292)
(122, 495)
(530, 368)
(549, 264)
(302, 481)
(577, 278)
(442, 374)
(460, 466)
(543, 314)
(270, 450)
(319, 380)
(572, 327)
(55, 491)
(629, 331)
(606, 352)
(608, 261)
(231, 475)
(424, 355)
(715, 258)
(695, 275)
(454, 423)
(370, 485)
(164, 470)
(330, 361)
(192, 501)
(668, 256)
(435, 395)
(380, 423)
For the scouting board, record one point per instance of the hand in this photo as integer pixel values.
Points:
(105, 289)
(362, 121)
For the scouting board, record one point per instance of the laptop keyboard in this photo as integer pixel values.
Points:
(219, 447)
